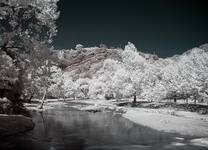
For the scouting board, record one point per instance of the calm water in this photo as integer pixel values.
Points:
(65, 129)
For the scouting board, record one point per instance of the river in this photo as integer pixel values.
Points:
(67, 129)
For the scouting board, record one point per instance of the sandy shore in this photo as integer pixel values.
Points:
(185, 123)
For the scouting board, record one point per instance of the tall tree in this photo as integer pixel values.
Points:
(24, 24)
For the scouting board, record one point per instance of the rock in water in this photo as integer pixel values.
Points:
(13, 124)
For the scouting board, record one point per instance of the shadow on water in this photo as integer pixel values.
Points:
(64, 129)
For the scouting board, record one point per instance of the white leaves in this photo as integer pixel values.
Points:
(79, 47)
(96, 89)
(39, 15)
(131, 57)
(130, 47)
(60, 54)
(49, 9)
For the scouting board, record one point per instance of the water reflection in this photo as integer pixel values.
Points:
(62, 129)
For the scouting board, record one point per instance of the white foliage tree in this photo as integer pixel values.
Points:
(97, 89)
(83, 88)
(24, 24)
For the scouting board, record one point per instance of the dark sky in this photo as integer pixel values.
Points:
(166, 27)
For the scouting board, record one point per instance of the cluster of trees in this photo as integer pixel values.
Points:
(187, 77)
(138, 74)
(27, 28)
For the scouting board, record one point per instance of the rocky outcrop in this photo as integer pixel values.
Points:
(13, 124)
(10, 123)
(10, 88)
(86, 61)
(8, 107)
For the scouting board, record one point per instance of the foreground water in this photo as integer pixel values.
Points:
(66, 129)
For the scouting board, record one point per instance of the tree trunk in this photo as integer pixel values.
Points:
(135, 98)
(30, 99)
(43, 99)
(195, 101)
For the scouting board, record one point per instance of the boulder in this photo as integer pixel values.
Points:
(13, 124)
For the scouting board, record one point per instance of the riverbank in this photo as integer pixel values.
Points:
(162, 119)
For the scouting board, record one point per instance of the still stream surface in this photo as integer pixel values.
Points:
(67, 129)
